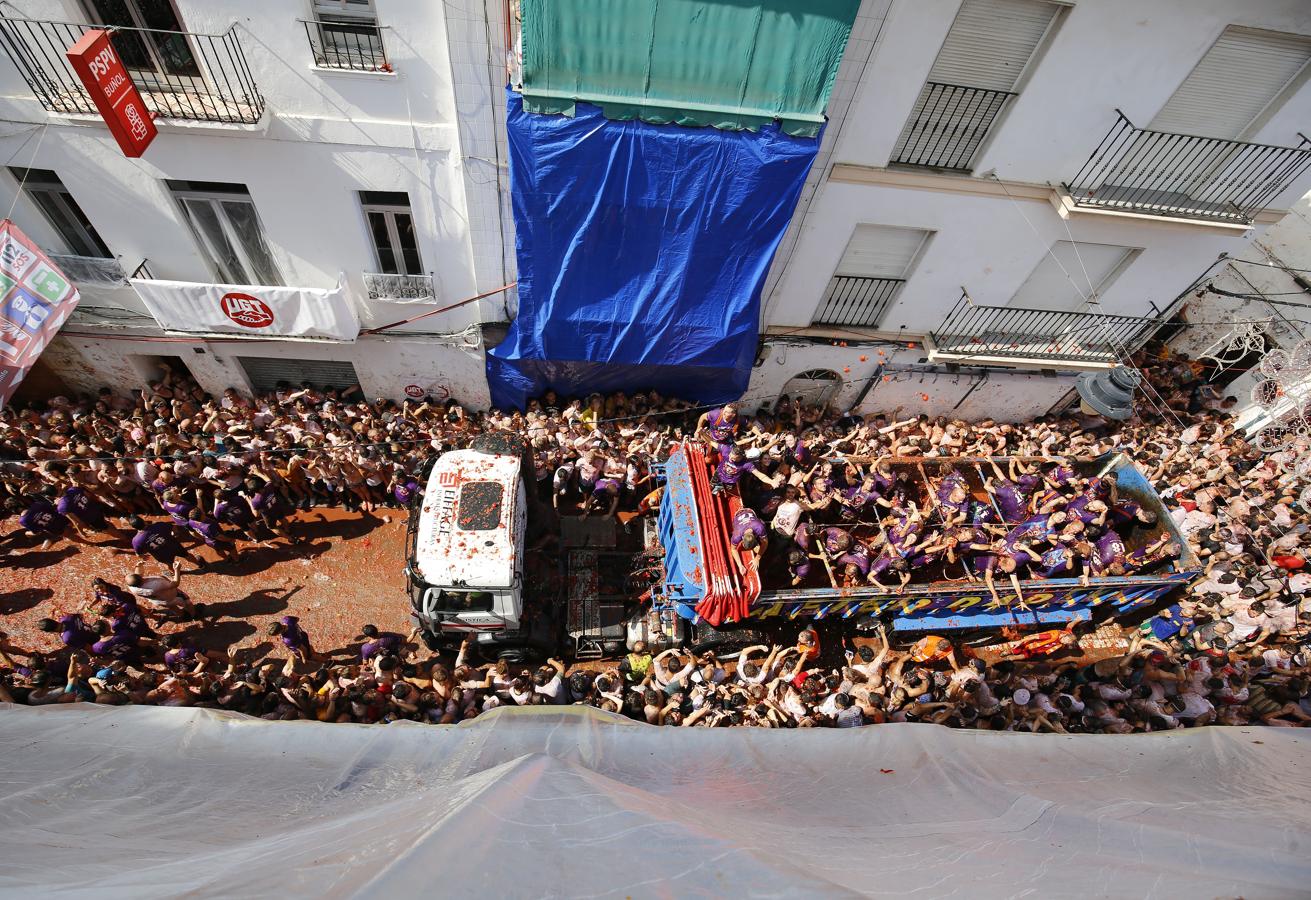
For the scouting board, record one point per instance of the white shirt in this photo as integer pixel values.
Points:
(787, 517)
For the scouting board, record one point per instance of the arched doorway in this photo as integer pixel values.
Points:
(817, 386)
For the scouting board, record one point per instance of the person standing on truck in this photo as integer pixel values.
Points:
(748, 539)
(719, 428)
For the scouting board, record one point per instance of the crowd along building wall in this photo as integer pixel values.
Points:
(359, 140)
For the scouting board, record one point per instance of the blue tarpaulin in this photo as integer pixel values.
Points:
(642, 252)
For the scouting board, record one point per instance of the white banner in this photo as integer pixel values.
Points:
(252, 311)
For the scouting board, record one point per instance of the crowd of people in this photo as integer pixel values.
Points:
(173, 475)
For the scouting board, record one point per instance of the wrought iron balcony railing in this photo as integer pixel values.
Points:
(1163, 174)
(947, 125)
(199, 77)
(856, 300)
(381, 286)
(1003, 332)
(343, 45)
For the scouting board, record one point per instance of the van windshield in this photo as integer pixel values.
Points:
(465, 601)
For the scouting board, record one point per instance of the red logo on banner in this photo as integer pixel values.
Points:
(447, 479)
(96, 63)
(246, 311)
(413, 391)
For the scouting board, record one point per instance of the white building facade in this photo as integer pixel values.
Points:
(301, 144)
(1008, 192)
(1085, 161)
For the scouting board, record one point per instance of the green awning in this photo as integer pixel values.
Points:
(733, 64)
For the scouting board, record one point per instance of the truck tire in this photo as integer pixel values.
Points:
(724, 641)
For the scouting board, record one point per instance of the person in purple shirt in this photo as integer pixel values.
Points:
(732, 467)
(178, 507)
(748, 538)
(42, 519)
(889, 561)
(836, 541)
(405, 489)
(1065, 561)
(1162, 548)
(157, 541)
(79, 505)
(1012, 495)
(1110, 556)
(74, 633)
(293, 638)
(798, 565)
(953, 496)
(211, 533)
(380, 643)
(854, 564)
(720, 426)
(267, 506)
(232, 509)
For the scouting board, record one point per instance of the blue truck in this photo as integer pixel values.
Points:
(692, 528)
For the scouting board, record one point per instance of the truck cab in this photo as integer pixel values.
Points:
(465, 550)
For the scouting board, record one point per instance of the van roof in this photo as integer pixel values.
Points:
(465, 535)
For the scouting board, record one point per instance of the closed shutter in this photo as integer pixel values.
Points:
(1049, 288)
(881, 251)
(265, 373)
(1237, 79)
(991, 42)
(870, 275)
(344, 11)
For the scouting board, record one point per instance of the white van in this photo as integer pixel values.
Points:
(466, 548)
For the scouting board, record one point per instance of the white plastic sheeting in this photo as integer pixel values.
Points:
(567, 802)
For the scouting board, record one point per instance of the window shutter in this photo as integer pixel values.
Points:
(1237, 79)
(265, 372)
(1048, 288)
(991, 42)
(881, 251)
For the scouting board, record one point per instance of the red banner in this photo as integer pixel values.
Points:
(96, 62)
(35, 299)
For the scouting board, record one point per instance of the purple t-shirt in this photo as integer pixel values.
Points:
(231, 508)
(75, 633)
(157, 540)
(208, 529)
(43, 518)
(405, 491)
(386, 642)
(729, 472)
(720, 429)
(857, 556)
(1108, 550)
(77, 502)
(293, 637)
(745, 520)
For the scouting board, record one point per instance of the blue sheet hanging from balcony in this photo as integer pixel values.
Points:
(642, 252)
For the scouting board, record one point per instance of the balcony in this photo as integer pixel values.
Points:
(353, 46)
(1077, 339)
(91, 270)
(855, 300)
(398, 288)
(947, 125)
(1157, 173)
(195, 77)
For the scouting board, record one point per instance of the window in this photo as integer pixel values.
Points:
(222, 217)
(44, 188)
(985, 54)
(1241, 77)
(815, 387)
(480, 506)
(870, 274)
(1049, 287)
(151, 43)
(348, 36)
(465, 601)
(391, 226)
